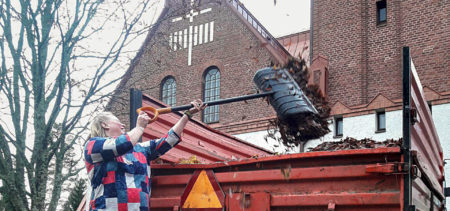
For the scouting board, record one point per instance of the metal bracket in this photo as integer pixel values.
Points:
(246, 200)
(415, 172)
(413, 113)
(394, 168)
(387, 168)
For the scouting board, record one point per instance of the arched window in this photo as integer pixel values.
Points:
(211, 91)
(168, 91)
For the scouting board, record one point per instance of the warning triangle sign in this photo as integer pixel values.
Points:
(202, 191)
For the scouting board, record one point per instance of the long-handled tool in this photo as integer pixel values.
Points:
(283, 92)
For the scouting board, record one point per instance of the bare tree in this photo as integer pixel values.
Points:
(53, 67)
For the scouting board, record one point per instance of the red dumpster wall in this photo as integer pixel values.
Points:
(367, 179)
(310, 181)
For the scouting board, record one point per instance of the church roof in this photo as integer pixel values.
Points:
(297, 44)
(274, 47)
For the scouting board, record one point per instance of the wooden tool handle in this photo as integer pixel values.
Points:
(154, 112)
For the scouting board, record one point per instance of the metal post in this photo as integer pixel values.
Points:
(406, 148)
(135, 103)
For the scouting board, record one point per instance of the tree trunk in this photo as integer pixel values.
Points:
(41, 178)
(57, 182)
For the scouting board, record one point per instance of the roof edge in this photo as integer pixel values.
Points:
(293, 34)
(268, 41)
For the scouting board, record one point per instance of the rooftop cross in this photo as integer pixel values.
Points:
(192, 35)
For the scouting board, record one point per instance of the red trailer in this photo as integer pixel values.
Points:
(367, 179)
(391, 178)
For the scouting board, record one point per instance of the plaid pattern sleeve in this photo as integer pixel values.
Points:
(158, 147)
(99, 149)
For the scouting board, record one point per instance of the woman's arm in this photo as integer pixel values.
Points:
(143, 120)
(156, 148)
(138, 131)
(179, 126)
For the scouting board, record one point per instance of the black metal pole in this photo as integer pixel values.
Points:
(406, 148)
(135, 103)
(224, 101)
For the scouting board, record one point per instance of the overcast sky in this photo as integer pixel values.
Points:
(283, 18)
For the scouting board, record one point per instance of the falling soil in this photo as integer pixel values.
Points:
(308, 126)
(352, 143)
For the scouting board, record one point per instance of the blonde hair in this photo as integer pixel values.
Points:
(96, 126)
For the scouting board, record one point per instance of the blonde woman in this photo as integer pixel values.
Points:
(119, 167)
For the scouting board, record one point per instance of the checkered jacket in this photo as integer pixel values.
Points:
(120, 173)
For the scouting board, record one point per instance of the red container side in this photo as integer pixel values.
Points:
(346, 180)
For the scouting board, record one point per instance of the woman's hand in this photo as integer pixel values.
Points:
(136, 133)
(142, 120)
(198, 106)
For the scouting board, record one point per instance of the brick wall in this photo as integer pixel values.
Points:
(235, 51)
(365, 58)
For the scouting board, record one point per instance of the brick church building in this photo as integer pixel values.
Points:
(210, 49)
